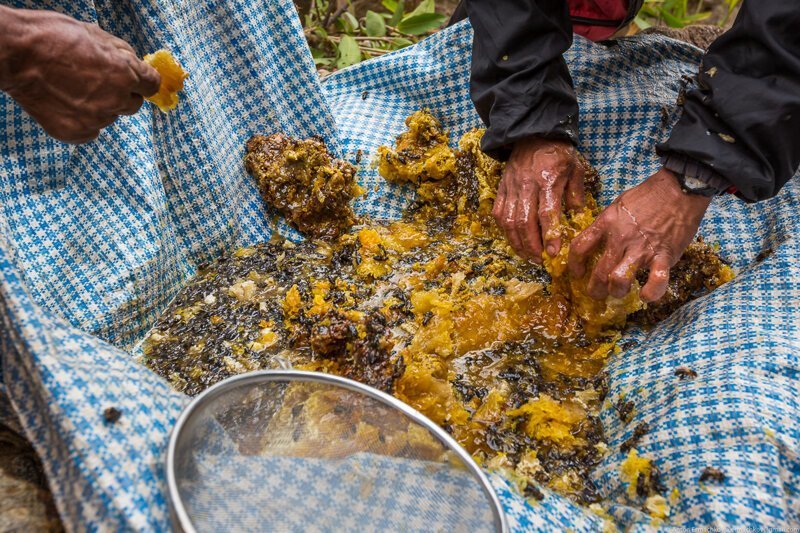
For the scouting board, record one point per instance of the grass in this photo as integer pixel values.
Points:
(681, 13)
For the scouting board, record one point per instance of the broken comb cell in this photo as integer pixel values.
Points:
(172, 76)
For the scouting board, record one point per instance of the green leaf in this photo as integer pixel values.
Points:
(698, 16)
(426, 6)
(391, 5)
(397, 14)
(349, 52)
(320, 32)
(650, 11)
(374, 25)
(671, 20)
(401, 42)
(323, 61)
(642, 23)
(421, 24)
(349, 22)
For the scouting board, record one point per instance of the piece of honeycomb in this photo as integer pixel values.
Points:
(172, 78)
(304, 183)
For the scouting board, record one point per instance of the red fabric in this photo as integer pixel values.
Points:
(604, 11)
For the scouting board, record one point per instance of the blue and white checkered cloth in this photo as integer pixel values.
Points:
(96, 239)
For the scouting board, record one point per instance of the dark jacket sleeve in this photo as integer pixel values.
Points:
(743, 118)
(520, 83)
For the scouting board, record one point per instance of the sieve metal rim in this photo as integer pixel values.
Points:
(180, 516)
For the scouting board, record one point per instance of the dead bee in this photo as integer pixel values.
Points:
(112, 415)
(664, 117)
(625, 410)
(713, 474)
(497, 290)
(628, 344)
(364, 95)
(359, 155)
(639, 432)
(763, 254)
(532, 491)
(656, 482)
(426, 318)
(383, 255)
(685, 373)
(642, 489)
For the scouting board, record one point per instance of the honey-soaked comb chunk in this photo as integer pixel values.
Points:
(172, 77)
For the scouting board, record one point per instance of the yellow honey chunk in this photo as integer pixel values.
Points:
(172, 77)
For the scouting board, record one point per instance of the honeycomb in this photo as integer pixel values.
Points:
(172, 78)
(436, 309)
(304, 183)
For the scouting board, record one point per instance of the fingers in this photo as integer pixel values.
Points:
(105, 121)
(74, 136)
(78, 130)
(510, 224)
(85, 138)
(658, 279)
(549, 214)
(598, 281)
(500, 203)
(582, 247)
(513, 214)
(131, 107)
(528, 229)
(119, 44)
(621, 278)
(145, 79)
(576, 195)
(148, 78)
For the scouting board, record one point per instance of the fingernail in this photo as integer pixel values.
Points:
(552, 250)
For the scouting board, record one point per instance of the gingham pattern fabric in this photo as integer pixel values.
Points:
(364, 492)
(95, 240)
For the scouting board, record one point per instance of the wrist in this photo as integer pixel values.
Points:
(668, 184)
(537, 142)
(535, 147)
(14, 27)
(695, 177)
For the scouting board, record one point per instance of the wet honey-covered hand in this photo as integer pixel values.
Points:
(542, 177)
(72, 77)
(648, 226)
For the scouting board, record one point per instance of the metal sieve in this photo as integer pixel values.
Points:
(287, 450)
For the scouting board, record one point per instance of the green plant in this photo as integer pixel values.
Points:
(680, 13)
(339, 39)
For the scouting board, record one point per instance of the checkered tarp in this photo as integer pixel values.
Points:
(363, 492)
(95, 240)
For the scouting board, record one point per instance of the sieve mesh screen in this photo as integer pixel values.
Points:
(297, 451)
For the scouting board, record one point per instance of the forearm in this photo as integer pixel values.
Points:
(520, 83)
(743, 119)
(13, 30)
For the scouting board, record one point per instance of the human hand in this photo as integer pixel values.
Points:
(72, 77)
(649, 226)
(528, 206)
